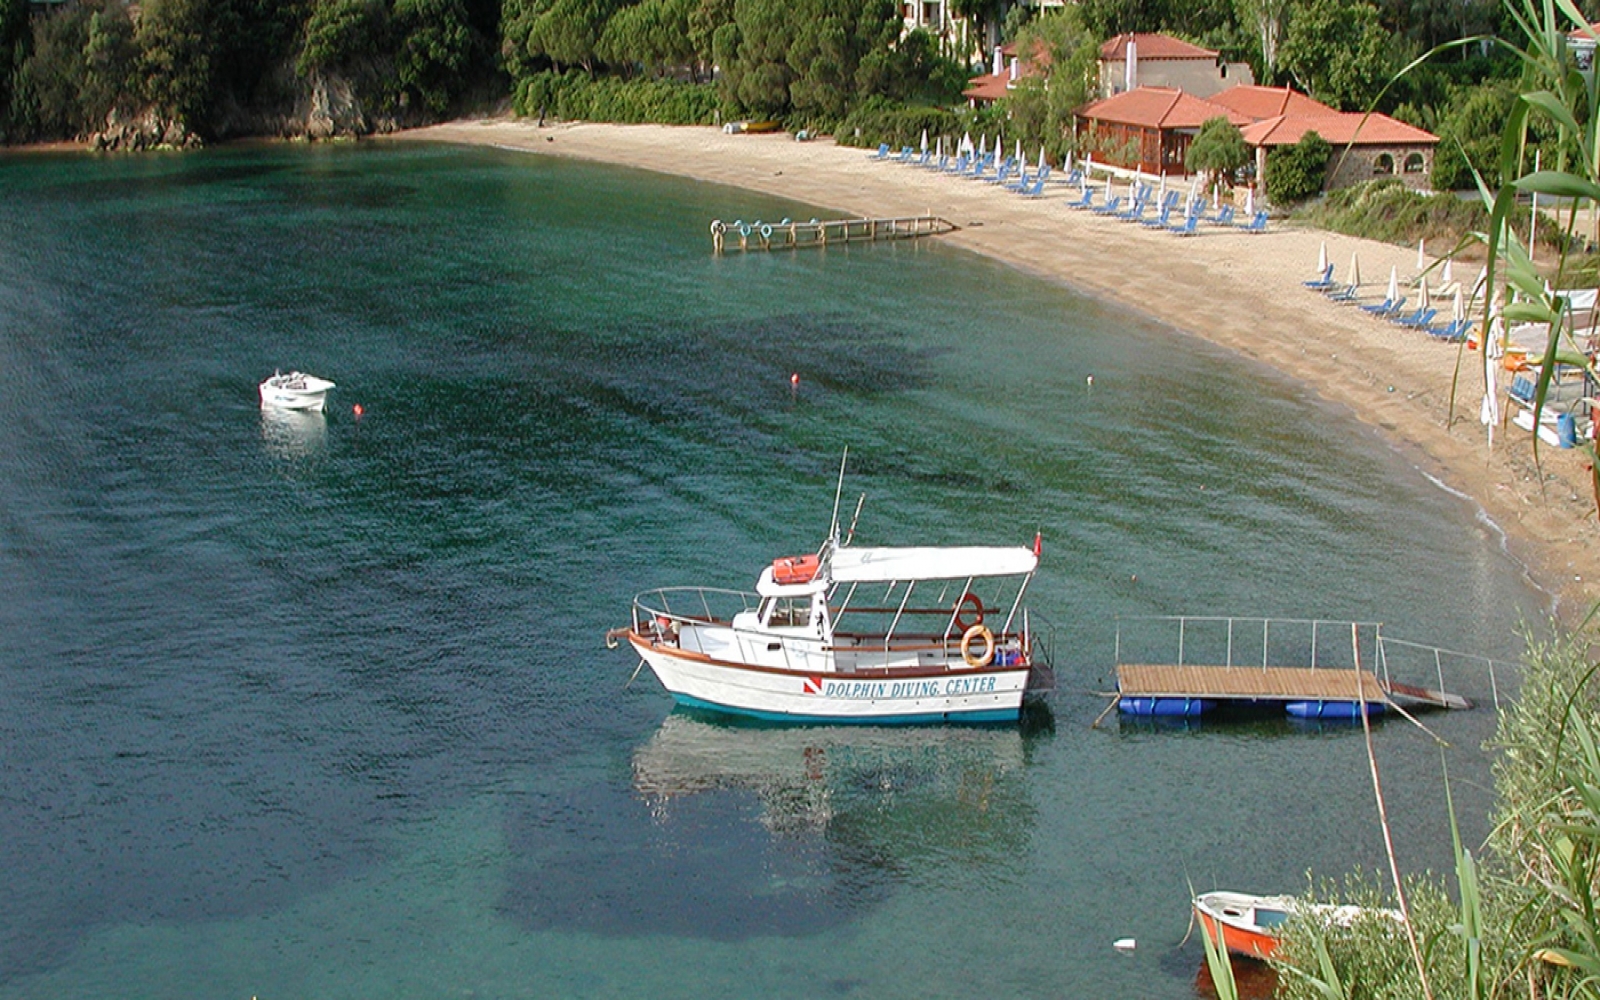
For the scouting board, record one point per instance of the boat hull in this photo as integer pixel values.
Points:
(1243, 924)
(877, 697)
(1240, 940)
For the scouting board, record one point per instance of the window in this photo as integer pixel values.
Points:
(1384, 164)
(1414, 163)
(930, 13)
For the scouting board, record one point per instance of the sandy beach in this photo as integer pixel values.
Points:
(1240, 291)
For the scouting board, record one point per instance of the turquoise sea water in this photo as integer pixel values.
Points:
(318, 707)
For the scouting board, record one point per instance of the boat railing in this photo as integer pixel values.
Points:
(676, 606)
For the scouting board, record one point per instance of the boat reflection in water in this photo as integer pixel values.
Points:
(950, 787)
(293, 434)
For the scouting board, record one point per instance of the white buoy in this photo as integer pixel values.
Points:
(1123, 944)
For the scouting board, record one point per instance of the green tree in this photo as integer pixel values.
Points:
(342, 34)
(177, 59)
(1338, 52)
(434, 44)
(654, 34)
(1266, 18)
(1295, 173)
(14, 48)
(1219, 149)
(704, 20)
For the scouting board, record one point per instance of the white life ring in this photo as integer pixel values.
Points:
(979, 631)
(766, 230)
(717, 228)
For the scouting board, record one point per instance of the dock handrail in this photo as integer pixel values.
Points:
(1266, 623)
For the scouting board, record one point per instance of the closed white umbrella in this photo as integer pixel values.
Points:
(1018, 155)
(1458, 309)
(1446, 272)
(966, 143)
(1250, 201)
(1355, 270)
(938, 147)
(1394, 283)
(924, 140)
(1161, 195)
(1422, 294)
(1041, 160)
(983, 146)
(1322, 257)
(1422, 256)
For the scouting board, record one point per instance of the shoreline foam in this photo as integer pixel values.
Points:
(1236, 290)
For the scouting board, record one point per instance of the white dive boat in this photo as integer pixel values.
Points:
(880, 635)
(295, 391)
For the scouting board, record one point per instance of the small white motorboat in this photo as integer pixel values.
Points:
(295, 391)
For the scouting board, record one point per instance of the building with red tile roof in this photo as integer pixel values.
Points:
(1009, 67)
(1151, 128)
(1140, 59)
(1147, 129)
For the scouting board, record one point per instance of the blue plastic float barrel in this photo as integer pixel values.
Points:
(1165, 707)
(1332, 709)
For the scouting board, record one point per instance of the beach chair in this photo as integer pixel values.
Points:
(1161, 221)
(1134, 212)
(1255, 225)
(1187, 227)
(1415, 320)
(1452, 332)
(882, 153)
(1522, 390)
(960, 164)
(1022, 182)
(1323, 283)
(1036, 189)
(1387, 307)
(1111, 207)
(1087, 201)
(905, 155)
(1075, 177)
(1224, 216)
(1345, 294)
(924, 159)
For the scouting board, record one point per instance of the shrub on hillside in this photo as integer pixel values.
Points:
(878, 121)
(574, 95)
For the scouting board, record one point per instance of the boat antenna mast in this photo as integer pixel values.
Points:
(833, 526)
(851, 534)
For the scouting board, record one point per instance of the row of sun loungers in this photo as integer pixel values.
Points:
(1012, 174)
(1392, 309)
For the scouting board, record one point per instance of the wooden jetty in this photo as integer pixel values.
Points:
(1285, 684)
(790, 234)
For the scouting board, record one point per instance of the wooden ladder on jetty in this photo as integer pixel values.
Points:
(789, 234)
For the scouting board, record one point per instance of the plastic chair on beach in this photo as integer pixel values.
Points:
(1111, 207)
(1255, 225)
(1415, 320)
(1036, 189)
(1224, 216)
(1388, 307)
(1346, 294)
(882, 153)
(1323, 283)
(1452, 332)
(1087, 201)
(1187, 227)
(1161, 221)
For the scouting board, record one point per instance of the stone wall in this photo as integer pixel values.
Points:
(1197, 77)
(1412, 164)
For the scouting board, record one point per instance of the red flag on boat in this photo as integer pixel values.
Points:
(1038, 543)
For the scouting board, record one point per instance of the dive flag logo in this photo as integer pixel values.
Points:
(813, 685)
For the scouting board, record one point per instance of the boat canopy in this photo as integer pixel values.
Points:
(889, 565)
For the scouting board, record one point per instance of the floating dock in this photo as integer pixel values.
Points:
(1208, 673)
(789, 234)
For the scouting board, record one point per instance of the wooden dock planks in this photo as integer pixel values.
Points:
(1259, 683)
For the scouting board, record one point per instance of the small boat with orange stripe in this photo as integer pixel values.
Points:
(1250, 925)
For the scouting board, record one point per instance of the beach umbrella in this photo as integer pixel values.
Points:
(1018, 156)
(1394, 283)
(1322, 257)
(1422, 256)
(983, 146)
(1161, 195)
(966, 143)
(1250, 201)
(938, 147)
(1445, 273)
(1216, 197)
(1355, 270)
(1458, 309)
(924, 140)
(1040, 168)
(1422, 293)
(1493, 351)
